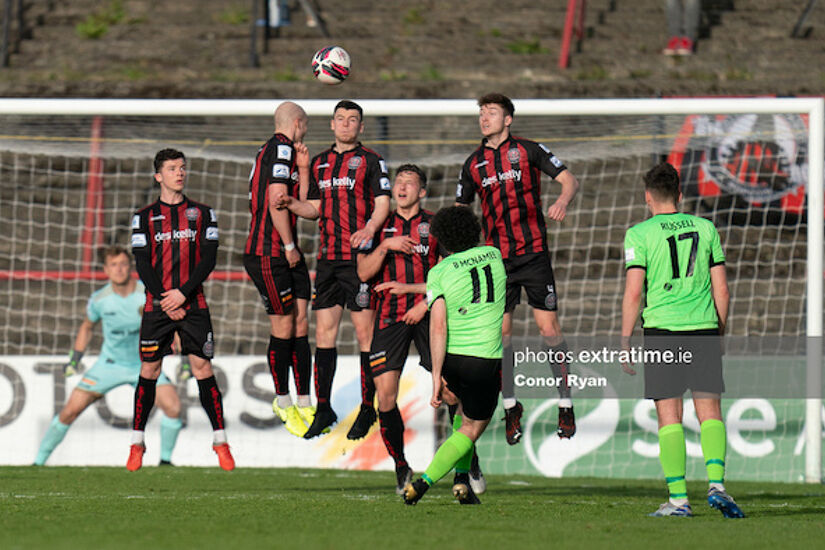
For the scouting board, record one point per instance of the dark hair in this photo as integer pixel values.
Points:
(456, 228)
(167, 154)
(422, 177)
(114, 250)
(349, 106)
(663, 182)
(497, 99)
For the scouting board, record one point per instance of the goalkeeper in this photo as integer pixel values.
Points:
(466, 295)
(118, 306)
(678, 259)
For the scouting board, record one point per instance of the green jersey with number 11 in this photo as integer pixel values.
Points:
(472, 284)
(676, 251)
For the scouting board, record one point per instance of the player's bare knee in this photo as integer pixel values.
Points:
(201, 368)
(150, 370)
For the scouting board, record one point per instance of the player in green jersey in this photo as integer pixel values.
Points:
(118, 306)
(678, 260)
(466, 296)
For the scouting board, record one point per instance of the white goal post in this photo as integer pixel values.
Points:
(813, 108)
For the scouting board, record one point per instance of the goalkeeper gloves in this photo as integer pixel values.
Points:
(73, 366)
(184, 369)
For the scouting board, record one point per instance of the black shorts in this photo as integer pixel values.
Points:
(391, 345)
(337, 284)
(157, 331)
(475, 381)
(277, 283)
(534, 272)
(700, 372)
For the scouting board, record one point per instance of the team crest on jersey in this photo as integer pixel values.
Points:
(362, 299)
(192, 214)
(354, 163)
(550, 300)
(513, 155)
(423, 230)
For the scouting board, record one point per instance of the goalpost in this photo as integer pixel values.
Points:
(75, 169)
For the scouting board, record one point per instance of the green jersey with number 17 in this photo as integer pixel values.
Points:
(472, 284)
(676, 251)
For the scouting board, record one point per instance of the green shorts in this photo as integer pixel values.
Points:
(106, 375)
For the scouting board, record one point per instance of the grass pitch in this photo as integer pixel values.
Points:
(204, 508)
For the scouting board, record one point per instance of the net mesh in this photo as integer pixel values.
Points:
(744, 172)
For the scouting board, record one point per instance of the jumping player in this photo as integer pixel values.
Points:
(505, 173)
(175, 243)
(678, 259)
(349, 193)
(276, 265)
(117, 308)
(466, 296)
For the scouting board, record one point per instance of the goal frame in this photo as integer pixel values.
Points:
(813, 107)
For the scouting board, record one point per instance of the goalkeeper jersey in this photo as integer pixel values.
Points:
(120, 318)
(472, 284)
(676, 251)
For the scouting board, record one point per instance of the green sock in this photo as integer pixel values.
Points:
(672, 455)
(713, 448)
(169, 430)
(464, 463)
(446, 457)
(54, 435)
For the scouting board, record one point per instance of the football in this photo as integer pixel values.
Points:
(331, 64)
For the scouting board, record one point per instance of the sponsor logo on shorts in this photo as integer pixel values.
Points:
(550, 300)
(192, 214)
(378, 358)
(354, 163)
(513, 155)
(284, 152)
(209, 346)
(362, 299)
(149, 346)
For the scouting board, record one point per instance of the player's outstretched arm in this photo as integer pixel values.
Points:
(438, 346)
(721, 294)
(569, 188)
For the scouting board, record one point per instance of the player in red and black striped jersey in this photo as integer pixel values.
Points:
(505, 172)
(175, 243)
(402, 253)
(349, 193)
(276, 265)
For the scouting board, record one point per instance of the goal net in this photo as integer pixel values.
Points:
(74, 171)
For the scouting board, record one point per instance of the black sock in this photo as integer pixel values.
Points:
(144, 401)
(301, 364)
(212, 401)
(367, 383)
(392, 432)
(279, 358)
(325, 359)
